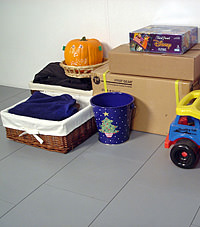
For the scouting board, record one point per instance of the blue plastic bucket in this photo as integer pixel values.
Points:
(113, 113)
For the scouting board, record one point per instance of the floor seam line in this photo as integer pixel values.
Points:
(77, 193)
(125, 184)
(195, 215)
(41, 184)
(11, 153)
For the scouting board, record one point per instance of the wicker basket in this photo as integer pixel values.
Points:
(80, 71)
(62, 144)
(58, 136)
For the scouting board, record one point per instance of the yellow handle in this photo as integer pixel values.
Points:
(104, 80)
(190, 105)
(177, 92)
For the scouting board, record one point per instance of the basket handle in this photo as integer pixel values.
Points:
(36, 136)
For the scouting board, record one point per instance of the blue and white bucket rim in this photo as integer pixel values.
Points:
(112, 93)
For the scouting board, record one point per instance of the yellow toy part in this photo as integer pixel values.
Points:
(190, 105)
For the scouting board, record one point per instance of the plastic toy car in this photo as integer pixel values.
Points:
(184, 132)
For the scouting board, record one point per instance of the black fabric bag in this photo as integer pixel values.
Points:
(53, 74)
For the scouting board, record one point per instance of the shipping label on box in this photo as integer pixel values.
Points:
(155, 98)
(114, 85)
(164, 39)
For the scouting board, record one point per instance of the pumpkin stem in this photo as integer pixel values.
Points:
(83, 38)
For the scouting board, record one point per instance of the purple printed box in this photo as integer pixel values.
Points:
(164, 39)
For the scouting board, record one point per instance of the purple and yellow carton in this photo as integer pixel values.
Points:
(167, 39)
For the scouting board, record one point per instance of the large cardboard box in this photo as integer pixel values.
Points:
(184, 67)
(155, 98)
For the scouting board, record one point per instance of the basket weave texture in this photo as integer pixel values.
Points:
(80, 71)
(61, 144)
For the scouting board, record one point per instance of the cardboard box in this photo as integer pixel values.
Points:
(155, 98)
(164, 39)
(183, 67)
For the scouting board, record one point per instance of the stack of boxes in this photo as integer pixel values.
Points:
(156, 80)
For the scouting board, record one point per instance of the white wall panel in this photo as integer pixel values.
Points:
(34, 31)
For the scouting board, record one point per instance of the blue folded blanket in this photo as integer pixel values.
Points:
(46, 107)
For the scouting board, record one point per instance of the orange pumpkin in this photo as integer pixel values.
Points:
(83, 52)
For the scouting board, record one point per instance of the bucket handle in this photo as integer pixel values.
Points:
(132, 106)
